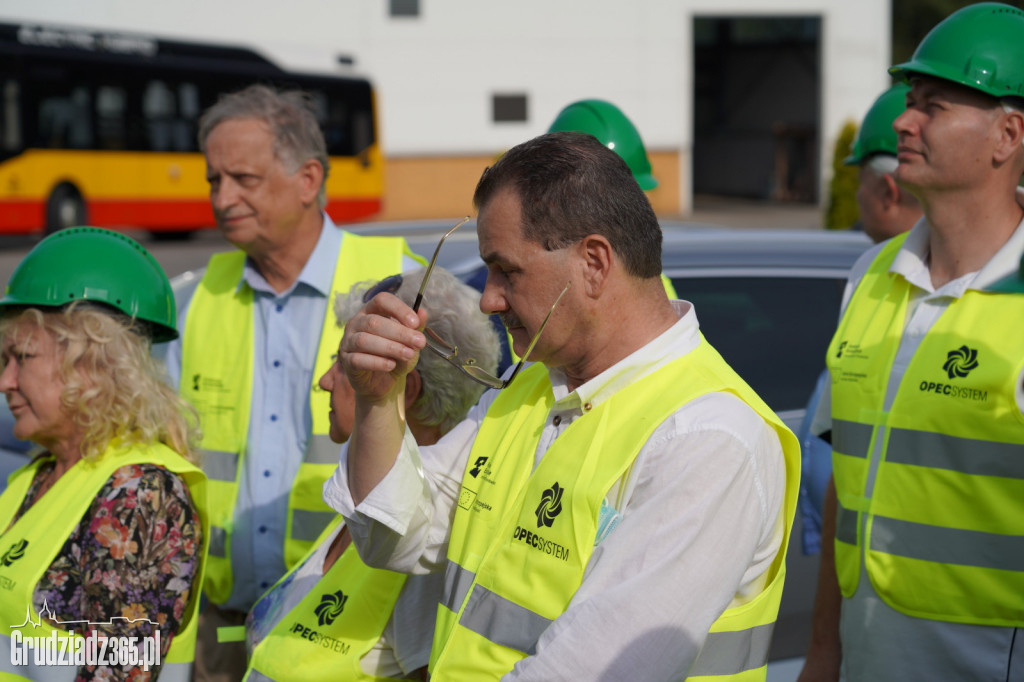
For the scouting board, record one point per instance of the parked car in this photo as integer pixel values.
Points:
(767, 299)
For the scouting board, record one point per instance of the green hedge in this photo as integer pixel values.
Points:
(842, 211)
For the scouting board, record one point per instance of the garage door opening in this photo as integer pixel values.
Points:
(757, 94)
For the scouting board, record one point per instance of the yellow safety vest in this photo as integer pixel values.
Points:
(670, 290)
(216, 377)
(327, 634)
(31, 544)
(942, 530)
(544, 523)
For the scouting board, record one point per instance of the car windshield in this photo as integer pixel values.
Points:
(773, 331)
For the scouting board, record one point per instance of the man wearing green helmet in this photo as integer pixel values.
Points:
(927, 577)
(886, 210)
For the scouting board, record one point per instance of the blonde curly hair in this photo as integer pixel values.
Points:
(113, 387)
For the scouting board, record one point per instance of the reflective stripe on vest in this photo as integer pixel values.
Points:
(718, 657)
(930, 487)
(511, 514)
(42, 531)
(326, 635)
(217, 379)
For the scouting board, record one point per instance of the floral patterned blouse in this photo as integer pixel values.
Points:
(134, 554)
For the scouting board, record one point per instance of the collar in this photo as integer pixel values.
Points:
(317, 273)
(673, 343)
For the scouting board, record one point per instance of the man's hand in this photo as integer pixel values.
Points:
(380, 346)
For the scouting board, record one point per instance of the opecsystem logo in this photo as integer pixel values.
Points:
(550, 506)
(960, 362)
(15, 552)
(330, 607)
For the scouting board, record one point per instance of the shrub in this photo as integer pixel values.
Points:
(842, 212)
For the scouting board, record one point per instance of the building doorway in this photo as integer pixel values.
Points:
(757, 94)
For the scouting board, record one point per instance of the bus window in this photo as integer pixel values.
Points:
(65, 120)
(10, 125)
(188, 112)
(111, 114)
(158, 109)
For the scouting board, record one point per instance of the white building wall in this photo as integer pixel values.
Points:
(435, 74)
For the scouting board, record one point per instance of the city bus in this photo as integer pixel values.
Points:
(99, 128)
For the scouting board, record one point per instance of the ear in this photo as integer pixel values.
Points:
(311, 175)
(1011, 136)
(891, 193)
(413, 388)
(598, 258)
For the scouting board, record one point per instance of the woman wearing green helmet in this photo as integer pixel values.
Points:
(102, 533)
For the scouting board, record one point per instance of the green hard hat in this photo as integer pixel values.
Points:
(1014, 284)
(91, 264)
(980, 46)
(607, 123)
(876, 135)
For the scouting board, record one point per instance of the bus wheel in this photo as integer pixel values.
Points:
(64, 209)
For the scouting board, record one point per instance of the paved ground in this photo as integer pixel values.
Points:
(733, 212)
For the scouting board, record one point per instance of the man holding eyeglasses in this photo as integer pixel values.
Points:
(620, 508)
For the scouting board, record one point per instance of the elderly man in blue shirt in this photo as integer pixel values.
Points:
(258, 332)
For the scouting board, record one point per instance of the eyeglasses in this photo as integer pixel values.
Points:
(450, 352)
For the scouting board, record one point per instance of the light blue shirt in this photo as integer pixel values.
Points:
(816, 470)
(286, 334)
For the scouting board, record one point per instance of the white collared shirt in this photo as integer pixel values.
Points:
(700, 526)
(926, 303)
(879, 642)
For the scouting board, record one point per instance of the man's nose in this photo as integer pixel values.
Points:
(224, 196)
(492, 299)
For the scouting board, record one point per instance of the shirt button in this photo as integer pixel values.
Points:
(273, 417)
(264, 585)
(277, 363)
(556, 421)
(263, 529)
(588, 407)
(279, 307)
(266, 473)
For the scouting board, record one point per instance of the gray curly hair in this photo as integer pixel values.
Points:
(453, 313)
